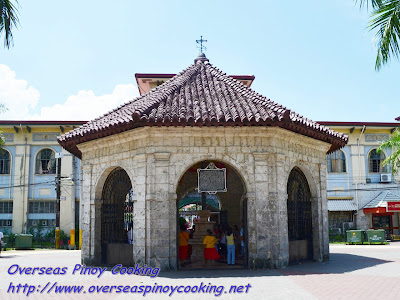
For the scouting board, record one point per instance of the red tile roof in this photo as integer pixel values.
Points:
(200, 95)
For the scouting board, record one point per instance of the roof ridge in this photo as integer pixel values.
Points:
(277, 107)
(167, 87)
(199, 95)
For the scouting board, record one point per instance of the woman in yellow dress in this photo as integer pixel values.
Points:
(210, 252)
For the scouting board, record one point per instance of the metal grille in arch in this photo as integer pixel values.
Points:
(117, 207)
(299, 207)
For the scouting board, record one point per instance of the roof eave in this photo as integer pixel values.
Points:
(70, 143)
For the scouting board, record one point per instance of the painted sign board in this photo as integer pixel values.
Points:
(393, 206)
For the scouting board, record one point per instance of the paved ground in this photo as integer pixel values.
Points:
(354, 272)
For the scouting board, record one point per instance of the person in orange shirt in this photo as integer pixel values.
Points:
(183, 244)
(210, 252)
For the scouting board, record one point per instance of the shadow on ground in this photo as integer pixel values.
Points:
(7, 257)
(338, 264)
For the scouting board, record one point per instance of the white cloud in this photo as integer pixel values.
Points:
(85, 105)
(16, 95)
(21, 99)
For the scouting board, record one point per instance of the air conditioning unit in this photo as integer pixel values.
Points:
(386, 177)
(44, 222)
(34, 222)
(347, 226)
(8, 223)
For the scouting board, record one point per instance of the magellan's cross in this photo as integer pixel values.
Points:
(201, 41)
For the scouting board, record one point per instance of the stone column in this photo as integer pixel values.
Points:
(281, 243)
(95, 231)
(159, 224)
(173, 234)
(88, 242)
(324, 213)
(260, 223)
(139, 210)
(319, 208)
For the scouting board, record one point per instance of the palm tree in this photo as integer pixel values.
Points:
(8, 20)
(385, 18)
(394, 143)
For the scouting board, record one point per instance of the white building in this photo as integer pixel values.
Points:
(27, 177)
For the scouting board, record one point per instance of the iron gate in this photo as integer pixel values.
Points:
(117, 208)
(299, 213)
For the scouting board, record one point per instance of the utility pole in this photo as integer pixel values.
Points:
(58, 194)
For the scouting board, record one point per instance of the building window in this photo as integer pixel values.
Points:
(337, 162)
(5, 223)
(41, 222)
(4, 162)
(46, 162)
(42, 207)
(375, 162)
(6, 207)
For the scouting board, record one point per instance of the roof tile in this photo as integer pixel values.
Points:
(199, 95)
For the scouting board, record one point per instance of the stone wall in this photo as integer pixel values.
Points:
(156, 158)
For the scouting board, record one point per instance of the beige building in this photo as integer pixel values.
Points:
(140, 161)
(27, 177)
(359, 187)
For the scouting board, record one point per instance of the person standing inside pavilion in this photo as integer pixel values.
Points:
(210, 251)
(183, 244)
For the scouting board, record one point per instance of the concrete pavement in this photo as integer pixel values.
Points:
(353, 272)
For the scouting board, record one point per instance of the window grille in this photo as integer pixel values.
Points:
(42, 207)
(5, 223)
(337, 162)
(6, 207)
(375, 162)
(43, 223)
(46, 162)
(4, 162)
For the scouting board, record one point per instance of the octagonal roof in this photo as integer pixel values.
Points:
(200, 95)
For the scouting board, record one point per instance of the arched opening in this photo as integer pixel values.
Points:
(299, 212)
(117, 219)
(191, 203)
(226, 209)
(5, 159)
(375, 160)
(46, 162)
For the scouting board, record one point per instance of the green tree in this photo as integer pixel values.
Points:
(394, 144)
(385, 18)
(8, 20)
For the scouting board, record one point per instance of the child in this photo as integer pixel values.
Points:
(210, 252)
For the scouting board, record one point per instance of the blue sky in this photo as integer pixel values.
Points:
(76, 60)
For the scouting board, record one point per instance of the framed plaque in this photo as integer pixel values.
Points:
(211, 179)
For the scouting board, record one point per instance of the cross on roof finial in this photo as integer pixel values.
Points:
(200, 41)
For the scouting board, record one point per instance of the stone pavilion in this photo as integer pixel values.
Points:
(139, 161)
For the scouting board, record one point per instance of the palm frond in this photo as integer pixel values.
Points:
(386, 18)
(8, 20)
(394, 144)
(365, 3)
(393, 160)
